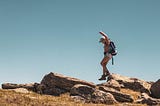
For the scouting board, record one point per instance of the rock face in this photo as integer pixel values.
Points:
(14, 86)
(103, 98)
(35, 87)
(82, 90)
(119, 96)
(89, 94)
(56, 84)
(155, 89)
(131, 83)
(117, 89)
(112, 84)
(145, 99)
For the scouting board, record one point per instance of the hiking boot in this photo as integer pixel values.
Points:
(102, 78)
(107, 74)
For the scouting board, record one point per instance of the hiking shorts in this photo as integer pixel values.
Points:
(107, 55)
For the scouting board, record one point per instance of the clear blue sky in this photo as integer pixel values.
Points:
(42, 36)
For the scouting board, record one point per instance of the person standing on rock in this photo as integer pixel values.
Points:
(107, 56)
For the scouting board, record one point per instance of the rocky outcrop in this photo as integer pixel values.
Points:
(14, 86)
(119, 96)
(82, 90)
(117, 89)
(145, 99)
(131, 83)
(88, 94)
(155, 89)
(56, 84)
(103, 97)
(35, 87)
(112, 84)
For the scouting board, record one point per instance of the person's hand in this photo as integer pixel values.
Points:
(101, 32)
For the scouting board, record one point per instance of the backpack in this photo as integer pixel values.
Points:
(112, 50)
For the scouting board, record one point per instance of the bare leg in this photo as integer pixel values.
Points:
(105, 70)
(104, 63)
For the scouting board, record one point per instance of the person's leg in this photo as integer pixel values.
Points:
(104, 63)
(105, 71)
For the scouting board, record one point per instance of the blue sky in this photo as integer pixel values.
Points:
(42, 36)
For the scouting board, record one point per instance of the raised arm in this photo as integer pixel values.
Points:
(105, 36)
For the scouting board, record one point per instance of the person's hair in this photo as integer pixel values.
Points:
(101, 40)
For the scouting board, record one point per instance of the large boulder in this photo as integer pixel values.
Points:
(88, 94)
(155, 89)
(82, 90)
(119, 96)
(112, 84)
(102, 97)
(56, 84)
(131, 83)
(145, 99)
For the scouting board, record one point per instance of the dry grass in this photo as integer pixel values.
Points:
(131, 92)
(12, 98)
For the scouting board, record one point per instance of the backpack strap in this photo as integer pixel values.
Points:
(112, 61)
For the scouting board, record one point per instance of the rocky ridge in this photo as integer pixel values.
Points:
(109, 92)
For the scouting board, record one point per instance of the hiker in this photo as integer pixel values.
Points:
(107, 56)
